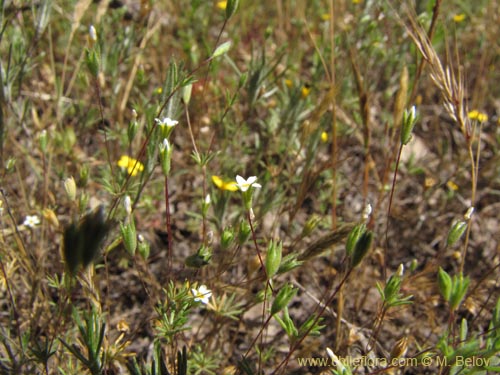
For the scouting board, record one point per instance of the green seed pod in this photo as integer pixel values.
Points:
(226, 238)
(200, 259)
(445, 284)
(231, 7)
(92, 61)
(186, 93)
(143, 247)
(244, 232)
(273, 258)
(409, 121)
(283, 297)
(70, 188)
(129, 237)
(42, 139)
(353, 238)
(361, 249)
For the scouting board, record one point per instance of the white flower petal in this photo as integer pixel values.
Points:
(251, 180)
(240, 180)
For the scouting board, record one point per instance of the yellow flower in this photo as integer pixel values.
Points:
(324, 137)
(451, 185)
(479, 116)
(459, 17)
(288, 83)
(306, 89)
(224, 185)
(133, 166)
(222, 5)
(325, 16)
(356, 1)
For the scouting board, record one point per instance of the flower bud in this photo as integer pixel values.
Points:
(143, 247)
(363, 244)
(244, 232)
(226, 238)
(409, 121)
(445, 284)
(283, 297)
(273, 258)
(456, 232)
(165, 156)
(92, 35)
(70, 188)
(127, 203)
(129, 237)
(353, 238)
(42, 139)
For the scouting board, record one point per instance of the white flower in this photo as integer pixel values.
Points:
(31, 221)
(469, 213)
(367, 212)
(244, 185)
(207, 199)
(127, 203)
(401, 270)
(202, 294)
(167, 121)
(165, 145)
(92, 33)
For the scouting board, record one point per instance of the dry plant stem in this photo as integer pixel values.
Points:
(376, 329)
(334, 155)
(259, 334)
(334, 117)
(430, 34)
(25, 258)
(14, 313)
(474, 173)
(318, 317)
(169, 227)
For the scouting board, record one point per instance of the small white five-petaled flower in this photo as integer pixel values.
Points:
(202, 294)
(167, 121)
(244, 185)
(31, 221)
